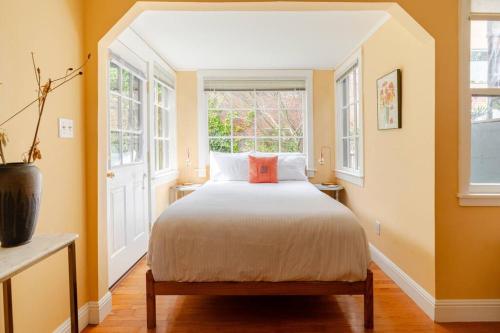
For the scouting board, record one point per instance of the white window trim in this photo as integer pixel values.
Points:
(203, 146)
(354, 177)
(170, 139)
(470, 194)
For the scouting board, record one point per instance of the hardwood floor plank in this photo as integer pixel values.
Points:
(394, 312)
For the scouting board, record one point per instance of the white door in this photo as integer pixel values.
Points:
(127, 185)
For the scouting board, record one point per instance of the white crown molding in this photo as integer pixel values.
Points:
(100, 309)
(83, 321)
(419, 295)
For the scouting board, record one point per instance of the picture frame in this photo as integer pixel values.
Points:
(389, 101)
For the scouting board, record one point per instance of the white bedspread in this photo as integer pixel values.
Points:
(237, 231)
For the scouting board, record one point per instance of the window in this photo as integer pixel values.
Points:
(480, 102)
(262, 111)
(163, 96)
(125, 115)
(349, 138)
(264, 120)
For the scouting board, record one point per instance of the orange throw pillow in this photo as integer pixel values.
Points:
(263, 169)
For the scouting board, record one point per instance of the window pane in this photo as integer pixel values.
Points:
(345, 120)
(219, 100)
(113, 112)
(125, 113)
(267, 123)
(485, 6)
(114, 83)
(344, 92)
(114, 148)
(126, 149)
(485, 54)
(135, 121)
(126, 84)
(485, 155)
(243, 123)
(243, 145)
(268, 145)
(352, 154)
(485, 108)
(159, 154)
(345, 153)
(352, 119)
(159, 94)
(219, 123)
(166, 155)
(242, 99)
(292, 145)
(136, 88)
(132, 148)
(291, 100)
(220, 145)
(485, 139)
(267, 100)
(159, 122)
(291, 123)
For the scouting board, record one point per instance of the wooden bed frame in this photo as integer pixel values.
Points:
(154, 288)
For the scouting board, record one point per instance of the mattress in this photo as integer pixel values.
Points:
(237, 231)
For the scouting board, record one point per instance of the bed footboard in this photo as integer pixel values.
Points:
(154, 288)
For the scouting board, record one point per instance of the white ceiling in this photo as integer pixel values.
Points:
(256, 40)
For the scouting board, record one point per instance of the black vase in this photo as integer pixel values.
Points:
(20, 191)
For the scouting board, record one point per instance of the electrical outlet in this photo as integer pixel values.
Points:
(377, 228)
(66, 128)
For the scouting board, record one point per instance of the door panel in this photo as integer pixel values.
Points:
(118, 206)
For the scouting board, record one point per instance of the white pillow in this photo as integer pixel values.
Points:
(291, 166)
(226, 166)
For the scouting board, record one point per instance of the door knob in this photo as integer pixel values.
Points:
(110, 174)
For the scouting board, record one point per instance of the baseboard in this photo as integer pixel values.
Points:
(83, 321)
(419, 295)
(467, 310)
(89, 313)
(443, 311)
(100, 309)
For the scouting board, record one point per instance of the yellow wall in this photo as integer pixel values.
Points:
(53, 29)
(399, 164)
(187, 126)
(467, 238)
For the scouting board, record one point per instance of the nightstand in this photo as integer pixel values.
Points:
(182, 190)
(331, 188)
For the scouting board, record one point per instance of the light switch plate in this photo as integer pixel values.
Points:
(66, 128)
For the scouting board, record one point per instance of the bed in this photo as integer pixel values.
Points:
(238, 238)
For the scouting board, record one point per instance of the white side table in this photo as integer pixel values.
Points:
(332, 188)
(14, 260)
(182, 190)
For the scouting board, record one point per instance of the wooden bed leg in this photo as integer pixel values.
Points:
(150, 300)
(368, 298)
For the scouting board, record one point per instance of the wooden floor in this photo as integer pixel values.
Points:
(394, 312)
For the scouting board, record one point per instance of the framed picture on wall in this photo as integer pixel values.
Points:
(389, 100)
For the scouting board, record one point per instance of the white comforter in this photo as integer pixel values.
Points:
(237, 231)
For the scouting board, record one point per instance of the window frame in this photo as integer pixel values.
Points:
(203, 137)
(471, 194)
(170, 138)
(348, 174)
(124, 66)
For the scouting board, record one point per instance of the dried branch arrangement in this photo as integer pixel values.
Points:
(44, 89)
